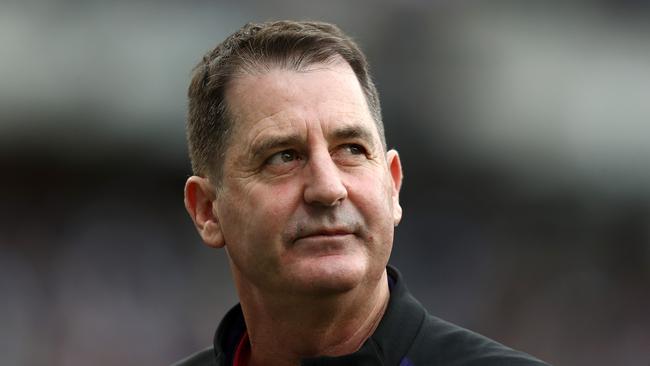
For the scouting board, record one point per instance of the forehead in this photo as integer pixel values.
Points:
(278, 99)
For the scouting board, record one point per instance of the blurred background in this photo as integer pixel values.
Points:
(523, 127)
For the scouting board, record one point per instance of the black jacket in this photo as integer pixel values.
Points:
(406, 336)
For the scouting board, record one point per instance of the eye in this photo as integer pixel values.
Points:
(350, 154)
(355, 149)
(283, 157)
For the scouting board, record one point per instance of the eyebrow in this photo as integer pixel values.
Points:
(271, 143)
(274, 143)
(354, 132)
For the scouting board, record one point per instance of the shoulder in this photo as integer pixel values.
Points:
(410, 336)
(205, 357)
(441, 342)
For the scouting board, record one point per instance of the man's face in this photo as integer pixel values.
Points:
(309, 199)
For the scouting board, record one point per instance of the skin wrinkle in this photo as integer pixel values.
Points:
(271, 108)
(263, 145)
(245, 52)
(281, 121)
(234, 92)
(323, 294)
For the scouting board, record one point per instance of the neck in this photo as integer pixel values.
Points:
(284, 330)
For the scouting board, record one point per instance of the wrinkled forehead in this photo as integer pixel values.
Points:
(326, 93)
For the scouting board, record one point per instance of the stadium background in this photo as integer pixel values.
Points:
(523, 129)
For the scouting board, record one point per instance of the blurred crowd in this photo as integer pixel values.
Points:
(523, 131)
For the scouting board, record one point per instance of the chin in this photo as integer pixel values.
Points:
(330, 274)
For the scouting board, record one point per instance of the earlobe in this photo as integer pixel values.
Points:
(395, 171)
(200, 197)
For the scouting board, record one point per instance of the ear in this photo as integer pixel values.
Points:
(395, 170)
(200, 197)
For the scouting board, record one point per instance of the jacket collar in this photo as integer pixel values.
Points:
(388, 344)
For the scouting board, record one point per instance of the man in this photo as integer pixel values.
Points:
(294, 180)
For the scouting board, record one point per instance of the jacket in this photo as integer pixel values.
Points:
(406, 336)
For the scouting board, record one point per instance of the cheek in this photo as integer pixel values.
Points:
(374, 201)
(275, 202)
(266, 210)
(372, 195)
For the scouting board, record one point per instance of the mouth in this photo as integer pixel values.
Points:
(324, 234)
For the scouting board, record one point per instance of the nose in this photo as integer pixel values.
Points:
(324, 185)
